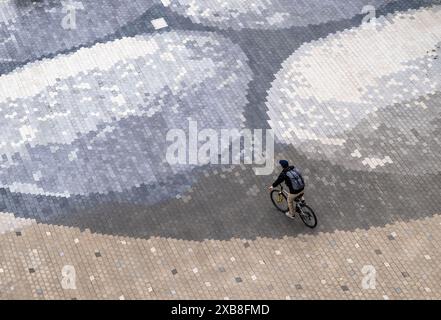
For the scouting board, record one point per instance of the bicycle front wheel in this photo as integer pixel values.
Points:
(279, 200)
(308, 217)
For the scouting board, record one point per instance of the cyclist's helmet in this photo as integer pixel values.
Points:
(284, 164)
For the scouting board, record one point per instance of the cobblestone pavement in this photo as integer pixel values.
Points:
(90, 208)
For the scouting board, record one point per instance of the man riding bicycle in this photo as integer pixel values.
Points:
(294, 180)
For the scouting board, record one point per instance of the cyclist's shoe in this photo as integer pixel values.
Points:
(297, 210)
(290, 216)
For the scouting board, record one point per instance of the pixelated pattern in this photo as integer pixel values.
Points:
(395, 74)
(89, 90)
(82, 122)
(8, 223)
(34, 29)
(268, 14)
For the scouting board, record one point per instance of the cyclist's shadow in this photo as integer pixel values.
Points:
(237, 204)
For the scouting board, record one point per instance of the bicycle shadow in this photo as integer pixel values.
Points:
(236, 204)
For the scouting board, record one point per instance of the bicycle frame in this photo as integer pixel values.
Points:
(300, 206)
(286, 193)
(283, 191)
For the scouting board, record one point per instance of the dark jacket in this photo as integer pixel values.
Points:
(283, 178)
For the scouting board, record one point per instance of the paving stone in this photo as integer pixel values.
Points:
(91, 207)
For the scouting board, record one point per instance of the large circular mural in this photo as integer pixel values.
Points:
(371, 117)
(96, 120)
(90, 89)
(269, 14)
(33, 29)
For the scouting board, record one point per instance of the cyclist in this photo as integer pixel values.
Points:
(294, 180)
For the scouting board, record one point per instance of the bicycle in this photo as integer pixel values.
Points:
(280, 201)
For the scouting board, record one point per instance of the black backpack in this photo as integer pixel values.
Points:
(296, 179)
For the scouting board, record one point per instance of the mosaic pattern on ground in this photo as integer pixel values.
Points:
(89, 90)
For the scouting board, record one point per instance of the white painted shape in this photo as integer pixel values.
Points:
(9, 223)
(159, 23)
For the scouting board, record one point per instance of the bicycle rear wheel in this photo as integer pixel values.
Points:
(279, 200)
(308, 217)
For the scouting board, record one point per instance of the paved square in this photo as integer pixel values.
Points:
(92, 208)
